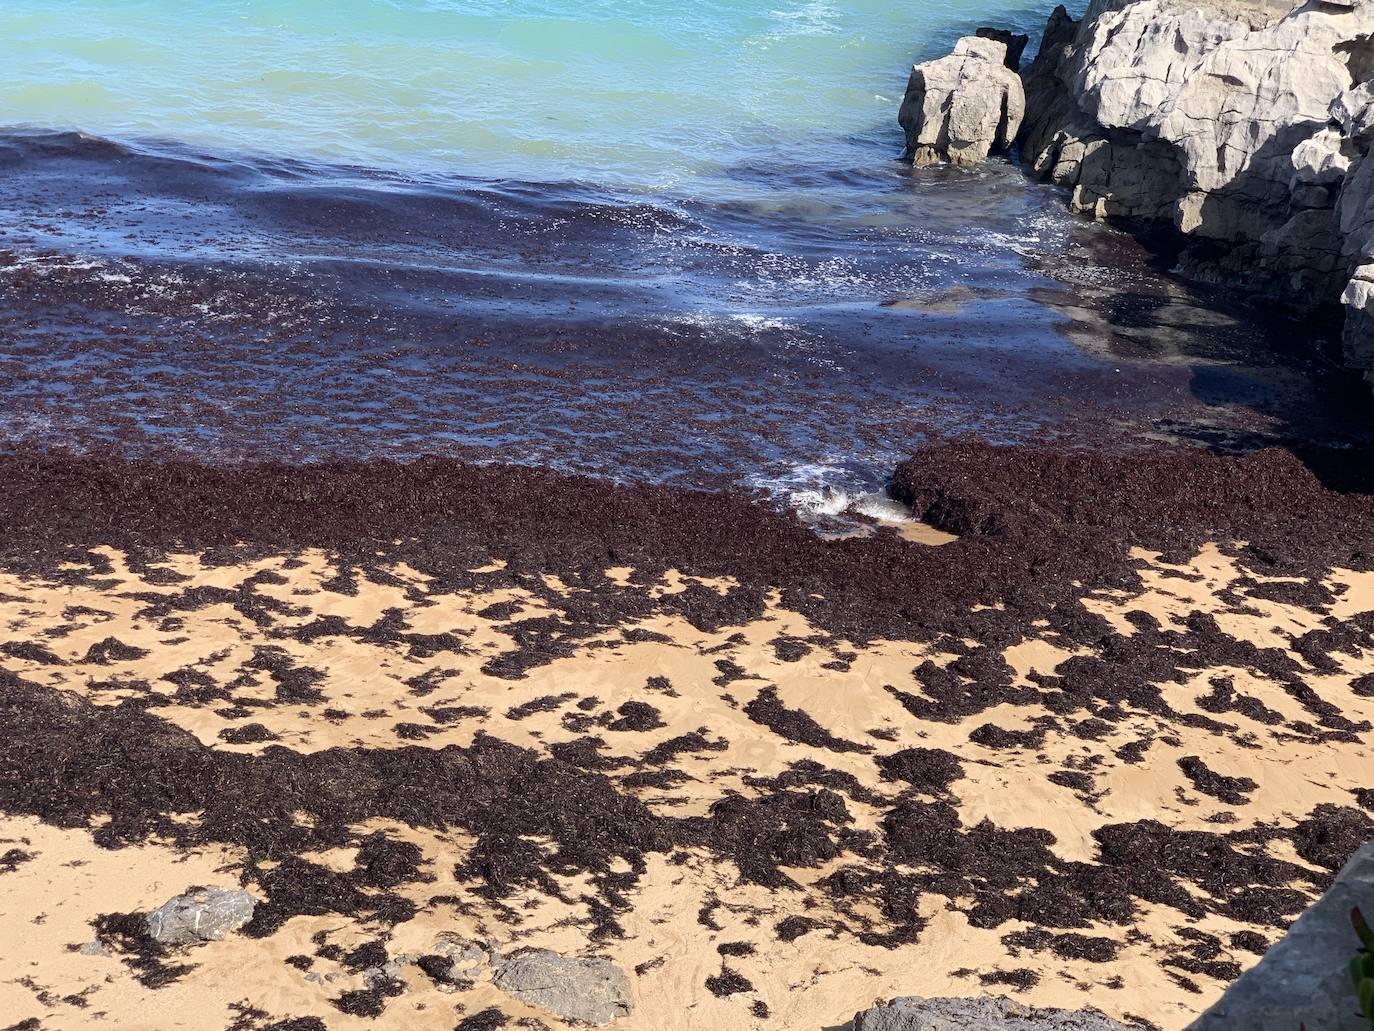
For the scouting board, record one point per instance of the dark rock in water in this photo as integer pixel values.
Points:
(1016, 45)
(997, 1014)
(200, 915)
(594, 991)
(1303, 979)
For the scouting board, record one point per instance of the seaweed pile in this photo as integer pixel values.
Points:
(1039, 530)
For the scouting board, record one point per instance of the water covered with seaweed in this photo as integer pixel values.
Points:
(394, 231)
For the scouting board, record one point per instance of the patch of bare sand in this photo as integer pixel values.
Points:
(229, 654)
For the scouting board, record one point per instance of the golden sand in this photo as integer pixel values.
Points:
(819, 980)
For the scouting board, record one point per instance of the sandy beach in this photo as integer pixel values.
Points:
(764, 806)
(757, 516)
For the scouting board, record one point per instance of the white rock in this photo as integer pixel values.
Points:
(1322, 160)
(1211, 105)
(1353, 112)
(1242, 126)
(1232, 121)
(962, 107)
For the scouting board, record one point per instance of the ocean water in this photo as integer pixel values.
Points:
(640, 239)
(646, 93)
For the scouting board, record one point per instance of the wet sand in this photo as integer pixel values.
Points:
(1096, 751)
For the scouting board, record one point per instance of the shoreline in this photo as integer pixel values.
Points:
(937, 302)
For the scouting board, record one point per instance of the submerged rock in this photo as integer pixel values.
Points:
(594, 991)
(985, 1014)
(962, 107)
(200, 915)
(1304, 978)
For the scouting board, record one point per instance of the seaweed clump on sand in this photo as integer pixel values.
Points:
(127, 936)
(1034, 523)
(926, 769)
(1038, 529)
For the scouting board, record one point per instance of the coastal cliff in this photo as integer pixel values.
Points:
(1238, 130)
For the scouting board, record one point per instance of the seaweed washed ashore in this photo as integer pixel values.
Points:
(1098, 751)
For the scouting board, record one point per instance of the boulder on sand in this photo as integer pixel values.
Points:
(593, 991)
(962, 107)
(200, 915)
(985, 1014)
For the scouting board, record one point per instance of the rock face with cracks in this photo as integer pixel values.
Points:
(1235, 130)
(962, 107)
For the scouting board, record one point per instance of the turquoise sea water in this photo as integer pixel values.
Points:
(638, 92)
(662, 239)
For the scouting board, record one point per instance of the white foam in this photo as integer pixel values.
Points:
(825, 502)
(882, 508)
(755, 322)
(813, 18)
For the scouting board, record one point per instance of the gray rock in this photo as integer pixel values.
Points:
(1303, 978)
(1232, 124)
(1353, 112)
(1015, 44)
(200, 915)
(93, 949)
(985, 1014)
(1202, 103)
(962, 107)
(593, 991)
(469, 957)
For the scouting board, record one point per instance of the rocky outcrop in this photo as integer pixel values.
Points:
(1303, 980)
(986, 1014)
(962, 107)
(1187, 114)
(1238, 127)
